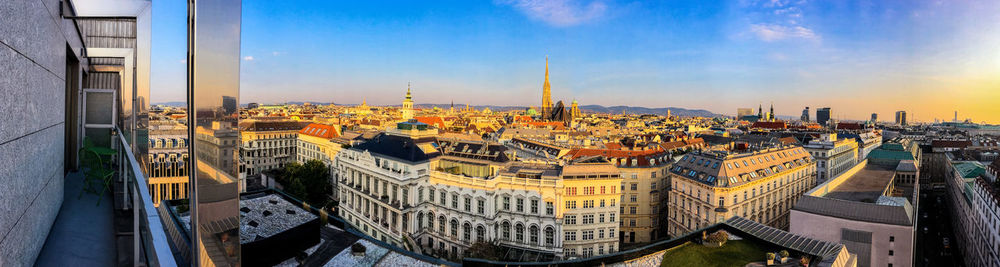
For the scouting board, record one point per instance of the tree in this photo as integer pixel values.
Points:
(309, 182)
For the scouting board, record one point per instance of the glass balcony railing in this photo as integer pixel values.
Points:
(150, 244)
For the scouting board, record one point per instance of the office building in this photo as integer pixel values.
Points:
(901, 118)
(833, 155)
(760, 184)
(823, 116)
(867, 209)
(805, 115)
(874, 118)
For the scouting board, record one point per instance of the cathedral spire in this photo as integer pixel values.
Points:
(546, 92)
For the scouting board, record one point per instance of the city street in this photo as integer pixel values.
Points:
(930, 249)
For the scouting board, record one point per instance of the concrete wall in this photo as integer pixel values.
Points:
(829, 228)
(33, 47)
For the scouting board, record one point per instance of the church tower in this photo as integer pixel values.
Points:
(760, 112)
(770, 115)
(408, 105)
(546, 93)
(574, 110)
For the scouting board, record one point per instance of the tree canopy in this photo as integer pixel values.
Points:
(309, 182)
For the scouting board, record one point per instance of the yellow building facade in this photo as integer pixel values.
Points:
(761, 185)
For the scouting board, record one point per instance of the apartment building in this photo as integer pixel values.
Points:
(644, 179)
(168, 163)
(833, 155)
(589, 215)
(266, 145)
(760, 184)
(316, 142)
(973, 200)
(867, 141)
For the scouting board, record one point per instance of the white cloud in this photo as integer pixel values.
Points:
(248, 58)
(775, 3)
(559, 13)
(184, 61)
(276, 53)
(775, 32)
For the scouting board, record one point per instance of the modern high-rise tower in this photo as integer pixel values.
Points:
(901, 117)
(546, 93)
(874, 117)
(805, 115)
(823, 115)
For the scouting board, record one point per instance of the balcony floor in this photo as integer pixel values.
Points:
(83, 233)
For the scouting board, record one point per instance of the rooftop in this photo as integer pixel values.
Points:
(969, 169)
(733, 253)
(265, 216)
(400, 147)
(859, 194)
(865, 186)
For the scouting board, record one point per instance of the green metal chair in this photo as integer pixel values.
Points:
(98, 170)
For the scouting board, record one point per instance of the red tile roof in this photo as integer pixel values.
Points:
(770, 125)
(432, 121)
(320, 130)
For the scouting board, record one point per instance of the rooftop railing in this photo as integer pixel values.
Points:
(150, 244)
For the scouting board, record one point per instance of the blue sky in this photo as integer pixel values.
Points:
(858, 57)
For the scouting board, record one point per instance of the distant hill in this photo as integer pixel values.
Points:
(173, 104)
(587, 108)
(598, 109)
(644, 110)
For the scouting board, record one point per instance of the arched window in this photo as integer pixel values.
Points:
(533, 235)
(430, 221)
(480, 233)
(519, 233)
(505, 229)
(454, 228)
(420, 220)
(550, 235)
(442, 221)
(466, 232)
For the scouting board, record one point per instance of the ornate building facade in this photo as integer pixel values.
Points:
(759, 184)
(441, 196)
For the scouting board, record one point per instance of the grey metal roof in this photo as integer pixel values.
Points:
(859, 211)
(823, 249)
